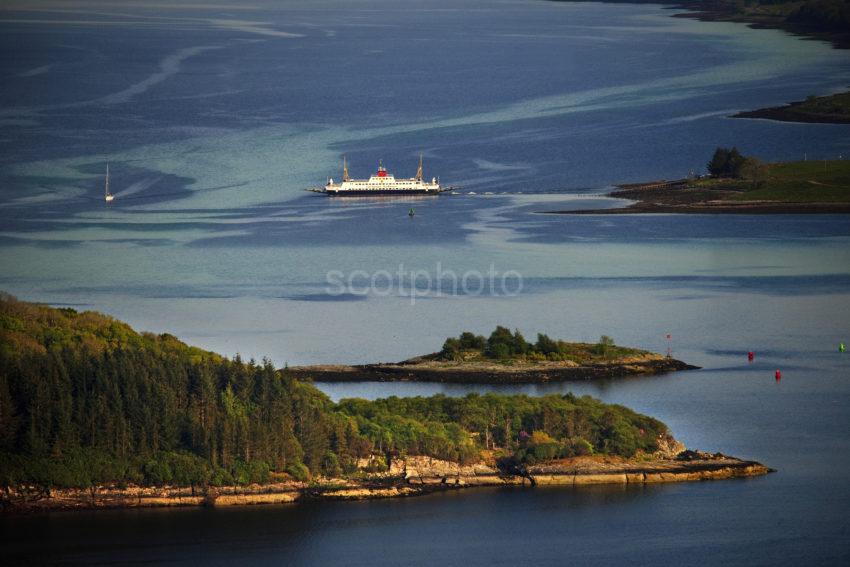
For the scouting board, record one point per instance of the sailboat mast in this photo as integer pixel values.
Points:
(106, 187)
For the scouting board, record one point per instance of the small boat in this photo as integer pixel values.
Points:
(107, 196)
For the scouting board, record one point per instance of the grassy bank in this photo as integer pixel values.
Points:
(815, 181)
(801, 187)
(830, 109)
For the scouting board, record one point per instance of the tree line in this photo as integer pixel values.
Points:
(730, 163)
(87, 401)
(502, 344)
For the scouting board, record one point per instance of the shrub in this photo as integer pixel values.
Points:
(451, 349)
(604, 345)
(471, 341)
(504, 344)
(546, 345)
(330, 465)
(298, 471)
(580, 447)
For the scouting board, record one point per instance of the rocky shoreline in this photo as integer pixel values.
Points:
(411, 476)
(490, 373)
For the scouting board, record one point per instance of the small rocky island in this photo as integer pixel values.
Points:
(504, 357)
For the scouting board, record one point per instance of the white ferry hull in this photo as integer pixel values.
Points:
(382, 183)
(381, 192)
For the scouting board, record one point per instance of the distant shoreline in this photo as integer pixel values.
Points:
(805, 187)
(767, 16)
(412, 476)
(805, 111)
(728, 11)
(643, 208)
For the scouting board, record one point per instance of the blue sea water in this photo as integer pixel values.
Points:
(215, 116)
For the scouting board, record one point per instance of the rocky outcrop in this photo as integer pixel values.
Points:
(429, 472)
(411, 476)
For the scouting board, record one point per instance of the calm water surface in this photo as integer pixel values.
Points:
(215, 117)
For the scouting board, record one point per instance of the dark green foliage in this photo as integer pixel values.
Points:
(604, 346)
(85, 401)
(472, 341)
(453, 347)
(726, 163)
(504, 345)
(545, 345)
(298, 471)
(438, 425)
(823, 14)
(330, 465)
(110, 405)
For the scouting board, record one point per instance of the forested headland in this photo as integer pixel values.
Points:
(87, 401)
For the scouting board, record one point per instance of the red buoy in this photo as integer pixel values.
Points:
(778, 375)
(751, 355)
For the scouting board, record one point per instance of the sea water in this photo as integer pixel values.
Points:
(215, 117)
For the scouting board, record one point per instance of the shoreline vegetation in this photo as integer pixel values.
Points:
(504, 357)
(95, 415)
(741, 185)
(830, 109)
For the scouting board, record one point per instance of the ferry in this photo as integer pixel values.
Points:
(382, 183)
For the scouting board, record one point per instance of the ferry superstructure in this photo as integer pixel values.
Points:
(383, 183)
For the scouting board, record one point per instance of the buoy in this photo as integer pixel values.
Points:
(751, 355)
(841, 347)
(778, 375)
(410, 213)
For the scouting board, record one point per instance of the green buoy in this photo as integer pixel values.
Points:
(410, 213)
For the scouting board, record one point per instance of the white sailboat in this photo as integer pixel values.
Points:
(107, 196)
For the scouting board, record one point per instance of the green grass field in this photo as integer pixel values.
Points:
(837, 105)
(814, 181)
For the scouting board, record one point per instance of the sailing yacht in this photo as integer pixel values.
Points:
(107, 196)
